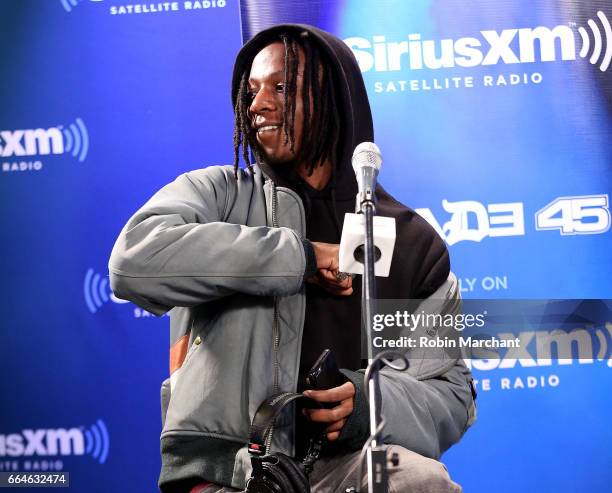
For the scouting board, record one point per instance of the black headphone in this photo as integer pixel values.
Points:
(277, 472)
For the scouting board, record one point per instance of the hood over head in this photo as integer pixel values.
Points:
(420, 262)
(350, 90)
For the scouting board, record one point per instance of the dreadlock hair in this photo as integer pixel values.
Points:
(321, 128)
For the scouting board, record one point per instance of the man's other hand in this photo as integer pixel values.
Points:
(328, 264)
(344, 396)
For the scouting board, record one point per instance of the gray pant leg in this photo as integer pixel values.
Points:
(413, 474)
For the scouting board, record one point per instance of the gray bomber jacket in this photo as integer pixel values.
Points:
(226, 256)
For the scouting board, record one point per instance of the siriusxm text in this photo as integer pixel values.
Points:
(509, 46)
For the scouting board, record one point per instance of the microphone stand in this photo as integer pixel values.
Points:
(376, 455)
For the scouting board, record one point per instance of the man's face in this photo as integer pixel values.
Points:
(268, 104)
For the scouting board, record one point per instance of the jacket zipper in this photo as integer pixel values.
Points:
(275, 323)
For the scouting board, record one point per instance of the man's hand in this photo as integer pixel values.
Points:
(337, 416)
(327, 255)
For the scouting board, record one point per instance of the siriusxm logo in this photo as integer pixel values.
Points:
(70, 4)
(587, 345)
(72, 138)
(152, 7)
(96, 291)
(92, 441)
(510, 46)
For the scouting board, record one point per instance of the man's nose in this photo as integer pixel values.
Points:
(263, 101)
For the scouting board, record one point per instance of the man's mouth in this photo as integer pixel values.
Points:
(268, 128)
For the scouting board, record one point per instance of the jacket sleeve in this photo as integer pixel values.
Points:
(425, 413)
(177, 251)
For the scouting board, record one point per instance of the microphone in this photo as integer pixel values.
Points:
(366, 163)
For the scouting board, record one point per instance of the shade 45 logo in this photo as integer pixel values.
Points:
(473, 221)
(23, 149)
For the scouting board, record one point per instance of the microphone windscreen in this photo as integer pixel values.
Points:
(366, 154)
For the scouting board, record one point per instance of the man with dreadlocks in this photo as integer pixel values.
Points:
(247, 259)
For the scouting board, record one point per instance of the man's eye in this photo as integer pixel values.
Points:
(280, 87)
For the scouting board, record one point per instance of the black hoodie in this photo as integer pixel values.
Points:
(420, 261)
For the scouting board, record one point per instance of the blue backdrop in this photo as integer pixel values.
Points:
(494, 120)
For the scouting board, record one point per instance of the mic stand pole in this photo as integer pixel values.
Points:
(376, 455)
